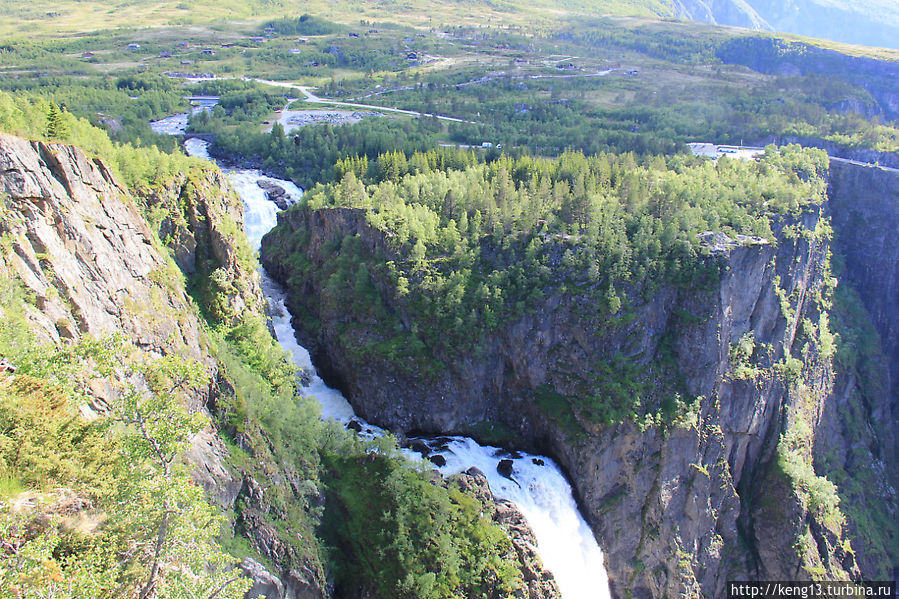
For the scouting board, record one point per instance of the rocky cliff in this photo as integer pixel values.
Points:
(864, 202)
(858, 440)
(737, 13)
(200, 220)
(81, 247)
(681, 503)
(85, 252)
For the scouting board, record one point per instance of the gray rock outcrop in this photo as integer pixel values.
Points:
(540, 582)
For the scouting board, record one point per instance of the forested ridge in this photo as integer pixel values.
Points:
(470, 246)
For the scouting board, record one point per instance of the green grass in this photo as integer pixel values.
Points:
(45, 17)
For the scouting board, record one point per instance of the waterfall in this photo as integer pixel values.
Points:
(535, 485)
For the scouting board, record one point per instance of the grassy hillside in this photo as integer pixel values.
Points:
(45, 17)
(861, 22)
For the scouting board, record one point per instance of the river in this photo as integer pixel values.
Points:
(538, 487)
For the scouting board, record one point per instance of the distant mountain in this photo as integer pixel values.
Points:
(725, 12)
(865, 22)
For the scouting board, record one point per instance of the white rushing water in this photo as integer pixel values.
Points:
(542, 493)
(537, 486)
(177, 124)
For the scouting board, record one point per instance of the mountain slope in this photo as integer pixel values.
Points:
(863, 22)
(867, 23)
(725, 12)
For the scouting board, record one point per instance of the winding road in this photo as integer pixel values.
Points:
(313, 99)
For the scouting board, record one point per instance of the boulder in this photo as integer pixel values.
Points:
(265, 584)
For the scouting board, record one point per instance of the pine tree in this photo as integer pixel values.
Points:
(56, 125)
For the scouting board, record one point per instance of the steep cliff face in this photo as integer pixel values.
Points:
(864, 201)
(737, 13)
(868, 23)
(863, 22)
(858, 439)
(77, 241)
(676, 502)
(200, 220)
(85, 252)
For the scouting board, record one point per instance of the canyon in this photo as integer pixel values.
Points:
(677, 507)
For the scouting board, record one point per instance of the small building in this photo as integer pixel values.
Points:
(186, 62)
(209, 52)
(182, 45)
(134, 46)
(302, 40)
(486, 145)
(295, 51)
(87, 55)
(257, 40)
(270, 31)
(165, 54)
(228, 45)
(373, 31)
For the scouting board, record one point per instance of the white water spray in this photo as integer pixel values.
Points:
(537, 487)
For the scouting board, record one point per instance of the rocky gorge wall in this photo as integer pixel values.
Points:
(864, 203)
(859, 425)
(678, 506)
(79, 244)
